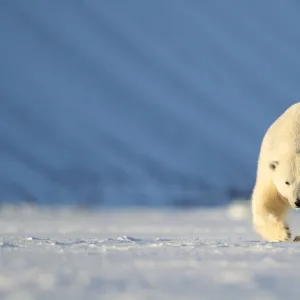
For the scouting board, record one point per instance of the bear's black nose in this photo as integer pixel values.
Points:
(297, 202)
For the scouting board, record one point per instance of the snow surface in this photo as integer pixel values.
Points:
(142, 254)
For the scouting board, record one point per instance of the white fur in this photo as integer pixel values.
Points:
(272, 197)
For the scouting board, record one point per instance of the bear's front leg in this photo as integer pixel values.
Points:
(269, 212)
(273, 230)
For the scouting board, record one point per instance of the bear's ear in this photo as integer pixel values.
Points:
(273, 164)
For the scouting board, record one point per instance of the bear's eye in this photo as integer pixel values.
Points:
(273, 165)
(287, 183)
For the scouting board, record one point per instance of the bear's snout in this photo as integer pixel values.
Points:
(297, 202)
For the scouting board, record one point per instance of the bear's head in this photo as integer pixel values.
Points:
(285, 175)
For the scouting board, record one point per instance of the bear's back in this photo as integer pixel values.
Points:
(284, 134)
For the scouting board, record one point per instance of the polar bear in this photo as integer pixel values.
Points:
(277, 186)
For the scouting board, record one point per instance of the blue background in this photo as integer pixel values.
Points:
(141, 102)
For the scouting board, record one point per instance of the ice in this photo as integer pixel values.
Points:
(142, 254)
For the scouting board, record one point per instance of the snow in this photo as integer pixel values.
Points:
(63, 253)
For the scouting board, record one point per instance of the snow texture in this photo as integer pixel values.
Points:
(133, 102)
(142, 254)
